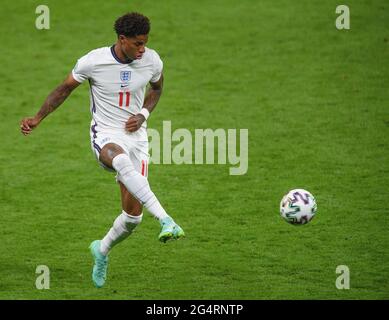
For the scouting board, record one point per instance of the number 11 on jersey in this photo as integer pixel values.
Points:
(121, 96)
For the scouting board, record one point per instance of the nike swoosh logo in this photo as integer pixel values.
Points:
(123, 85)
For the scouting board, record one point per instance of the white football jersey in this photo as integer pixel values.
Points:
(117, 88)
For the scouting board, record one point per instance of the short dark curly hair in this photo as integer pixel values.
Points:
(132, 24)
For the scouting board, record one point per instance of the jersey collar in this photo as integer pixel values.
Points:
(117, 58)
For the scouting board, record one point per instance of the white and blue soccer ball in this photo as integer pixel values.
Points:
(298, 206)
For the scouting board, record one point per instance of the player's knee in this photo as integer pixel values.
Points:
(109, 152)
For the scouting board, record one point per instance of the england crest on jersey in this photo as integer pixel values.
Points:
(125, 75)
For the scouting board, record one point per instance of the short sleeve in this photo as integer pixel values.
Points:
(157, 68)
(83, 69)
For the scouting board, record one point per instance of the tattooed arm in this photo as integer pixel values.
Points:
(52, 102)
(151, 100)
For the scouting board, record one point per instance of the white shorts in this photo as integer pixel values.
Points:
(138, 151)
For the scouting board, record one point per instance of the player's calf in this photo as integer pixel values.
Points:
(122, 227)
(137, 185)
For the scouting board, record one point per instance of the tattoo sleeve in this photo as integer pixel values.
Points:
(153, 94)
(54, 100)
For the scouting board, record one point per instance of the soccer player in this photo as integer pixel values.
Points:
(118, 76)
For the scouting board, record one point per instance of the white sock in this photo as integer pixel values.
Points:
(122, 227)
(137, 185)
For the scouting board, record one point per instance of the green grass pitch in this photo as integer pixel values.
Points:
(315, 102)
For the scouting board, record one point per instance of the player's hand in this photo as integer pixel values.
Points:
(134, 122)
(28, 124)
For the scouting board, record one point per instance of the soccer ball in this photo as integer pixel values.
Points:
(298, 206)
